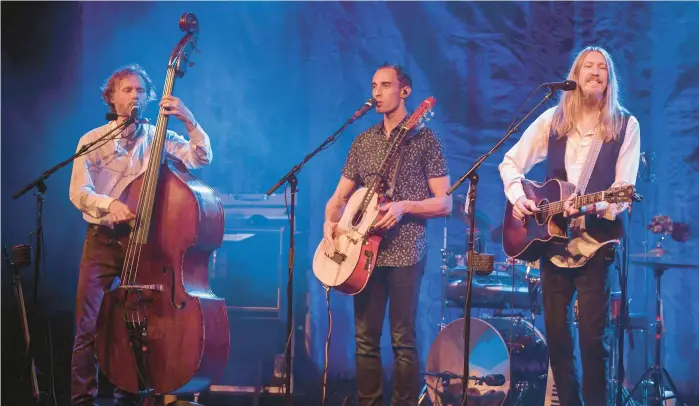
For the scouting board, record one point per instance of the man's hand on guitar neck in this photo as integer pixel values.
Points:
(569, 210)
(602, 209)
(524, 207)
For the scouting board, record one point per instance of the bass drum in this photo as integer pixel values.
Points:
(511, 347)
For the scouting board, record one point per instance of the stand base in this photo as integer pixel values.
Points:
(660, 381)
(183, 403)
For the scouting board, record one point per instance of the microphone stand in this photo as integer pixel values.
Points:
(291, 178)
(41, 190)
(19, 296)
(470, 253)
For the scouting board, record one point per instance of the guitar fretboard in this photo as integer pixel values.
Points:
(557, 207)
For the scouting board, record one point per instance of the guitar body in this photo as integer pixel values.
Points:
(355, 251)
(526, 240)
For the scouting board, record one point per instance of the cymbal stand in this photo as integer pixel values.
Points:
(444, 269)
(657, 373)
(443, 305)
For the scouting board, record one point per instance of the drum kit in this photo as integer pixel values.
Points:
(508, 358)
(508, 355)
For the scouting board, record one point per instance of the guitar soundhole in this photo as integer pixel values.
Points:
(357, 218)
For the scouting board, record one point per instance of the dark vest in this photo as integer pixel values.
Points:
(603, 174)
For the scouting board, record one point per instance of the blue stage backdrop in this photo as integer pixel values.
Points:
(274, 79)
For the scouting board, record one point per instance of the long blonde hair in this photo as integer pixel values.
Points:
(570, 104)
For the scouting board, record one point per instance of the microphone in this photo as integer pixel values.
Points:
(490, 380)
(566, 85)
(135, 113)
(362, 110)
(443, 375)
(22, 255)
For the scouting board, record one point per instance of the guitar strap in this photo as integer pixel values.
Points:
(394, 174)
(592, 156)
(586, 171)
(576, 224)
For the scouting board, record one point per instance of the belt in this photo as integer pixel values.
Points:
(119, 230)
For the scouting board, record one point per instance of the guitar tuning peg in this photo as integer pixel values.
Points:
(420, 126)
(431, 113)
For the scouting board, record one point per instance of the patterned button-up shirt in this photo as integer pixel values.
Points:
(424, 158)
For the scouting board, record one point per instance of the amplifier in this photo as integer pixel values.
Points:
(249, 271)
(255, 363)
(255, 209)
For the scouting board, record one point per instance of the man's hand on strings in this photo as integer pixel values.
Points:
(569, 209)
(524, 207)
(120, 212)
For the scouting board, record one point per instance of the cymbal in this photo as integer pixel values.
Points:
(659, 258)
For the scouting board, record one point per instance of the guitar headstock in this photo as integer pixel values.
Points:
(421, 114)
(619, 194)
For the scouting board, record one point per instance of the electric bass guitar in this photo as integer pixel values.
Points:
(352, 262)
(527, 239)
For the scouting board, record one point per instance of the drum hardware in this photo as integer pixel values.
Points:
(444, 269)
(659, 261)
(614, 349)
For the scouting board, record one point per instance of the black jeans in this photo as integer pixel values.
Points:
(558, 287)
(101, 263)
(402, 285)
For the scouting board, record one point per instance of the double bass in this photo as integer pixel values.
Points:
(162, 330)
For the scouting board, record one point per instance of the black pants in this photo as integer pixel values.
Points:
(402, 285)
(101, 263)
(558, 287)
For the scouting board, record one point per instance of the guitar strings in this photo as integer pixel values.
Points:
(143, 215)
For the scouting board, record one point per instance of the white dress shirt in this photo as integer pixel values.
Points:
(532, 148)
(100, 176)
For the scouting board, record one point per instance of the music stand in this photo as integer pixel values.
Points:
(659, 261)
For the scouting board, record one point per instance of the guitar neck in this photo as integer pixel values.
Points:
(389, 158)
(557, 207)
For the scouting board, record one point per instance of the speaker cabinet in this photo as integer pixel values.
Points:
(250, 272)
